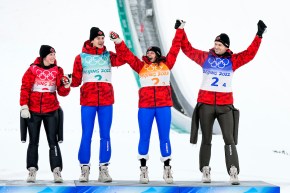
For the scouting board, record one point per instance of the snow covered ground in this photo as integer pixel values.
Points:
(261, 88)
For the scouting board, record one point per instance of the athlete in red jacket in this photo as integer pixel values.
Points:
(93, 68)
(215, 98)
(154, 98)
(39, 103)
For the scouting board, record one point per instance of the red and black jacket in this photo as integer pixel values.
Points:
(42, 102)
(238, 60)
(153, 96)
(94, 93)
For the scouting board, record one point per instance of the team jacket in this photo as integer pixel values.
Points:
(155, 88)
(39, 86)
(93, 68)
(218, 70)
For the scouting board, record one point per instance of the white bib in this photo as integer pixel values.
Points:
(96, 68)
(45, 80)
(217, 75)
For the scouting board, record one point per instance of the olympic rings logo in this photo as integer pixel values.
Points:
(46, 74)
(92, 60)
(151, 68)
(218, 62)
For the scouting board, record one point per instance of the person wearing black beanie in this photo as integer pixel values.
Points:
(215, 98)
(93, 72)
(95, 32)
(45, 50)
(224, 39)
(155, 98)
(41, 83)
(156, 50)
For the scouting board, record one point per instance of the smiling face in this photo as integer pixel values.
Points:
(49, 59)
(98, 41)
(151, 56)
(219, 48)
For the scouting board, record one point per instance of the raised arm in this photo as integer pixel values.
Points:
(176, 44)
(247, 55)
(196, 55)
(125, 54)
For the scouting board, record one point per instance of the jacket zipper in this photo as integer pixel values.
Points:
(98, 94)
(155, 96)
(40, 105)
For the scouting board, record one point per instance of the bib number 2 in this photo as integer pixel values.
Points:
(215, 82)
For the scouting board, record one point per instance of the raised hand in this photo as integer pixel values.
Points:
(261, 28)
(179, 24)
(115, 37)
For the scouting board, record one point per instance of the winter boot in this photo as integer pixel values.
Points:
(85, 173)
(57, 175)
(234, 176)
(104, 175)
(206, 174)
(167, 175)
(31, 175)
(144, 179)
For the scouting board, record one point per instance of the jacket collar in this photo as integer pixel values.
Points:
(89, 49)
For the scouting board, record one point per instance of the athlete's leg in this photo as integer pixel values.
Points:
(163, 120)
(207, 117)
(226, 120)
(145, 120)
(88, 114)
(50, 121)
(105, 116)
(34, 124)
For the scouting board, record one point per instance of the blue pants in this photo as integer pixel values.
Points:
(105, 116)
(163, 120)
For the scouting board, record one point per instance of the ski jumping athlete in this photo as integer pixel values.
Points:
(93, 68)
(39, 103)
(155, 99)
(215, 98)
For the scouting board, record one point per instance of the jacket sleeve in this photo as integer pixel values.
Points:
(61, 90)
(77, 74)
(247, 55)
(127, 56)
(26, 87)
(116, 60)
(175, 47)
(196, 55)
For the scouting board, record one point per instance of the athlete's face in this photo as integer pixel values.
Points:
(98, 41)
(151, 56)
(219, 48)
(49, 59)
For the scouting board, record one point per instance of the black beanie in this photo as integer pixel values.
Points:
(95, 32)
(224, 39)
(156, 50)
(45, 50)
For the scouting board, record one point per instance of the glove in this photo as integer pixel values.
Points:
(179, 24)
(261, 28)
(115, 37)
(66, 80)
(24, 112)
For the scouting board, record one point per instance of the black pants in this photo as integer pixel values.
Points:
(50, 121)
(224, 115)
